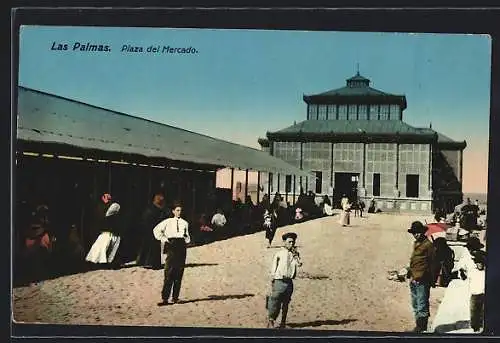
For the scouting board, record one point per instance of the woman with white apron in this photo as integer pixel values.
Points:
(104, 249)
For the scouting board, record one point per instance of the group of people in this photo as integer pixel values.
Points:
(432, 264)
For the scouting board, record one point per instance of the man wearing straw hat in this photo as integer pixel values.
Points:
(421, 275)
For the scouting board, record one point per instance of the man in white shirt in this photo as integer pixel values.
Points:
(283, 270)
(175, 234)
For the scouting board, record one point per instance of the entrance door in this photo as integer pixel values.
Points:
(346, 183)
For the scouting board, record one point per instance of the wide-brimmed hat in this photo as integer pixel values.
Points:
(417, 227)
(287, 235)
(473, 243)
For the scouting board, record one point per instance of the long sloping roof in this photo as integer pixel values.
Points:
(47, 118)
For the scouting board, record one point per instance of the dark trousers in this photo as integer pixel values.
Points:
(476, 311)
(174, 268)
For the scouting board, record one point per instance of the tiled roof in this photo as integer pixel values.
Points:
(48, 118)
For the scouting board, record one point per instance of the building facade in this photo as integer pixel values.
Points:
(355, 142)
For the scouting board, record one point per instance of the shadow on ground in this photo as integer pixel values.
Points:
(191, 265)
(317, 323)
(218, 297)
(459, 325)
(312, 276)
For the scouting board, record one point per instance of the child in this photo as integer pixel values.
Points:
(283, 271)
(476, 278)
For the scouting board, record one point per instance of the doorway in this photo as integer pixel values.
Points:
(346, 183)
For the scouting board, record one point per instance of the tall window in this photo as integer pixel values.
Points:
(332, 112)
(394, 109)
(363, 112)
(412, 185)
(288, 184)
(353, 112)
(313, 112)
(342, 112)
(319, 181)
(376, 184)
(322, 112)
(373, 112)
(384, 112)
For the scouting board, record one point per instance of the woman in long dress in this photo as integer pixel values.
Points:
(346, 208)
(104, 249)
(270, 224)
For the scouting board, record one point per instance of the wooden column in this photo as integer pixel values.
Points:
(246, 184)
(269, 176)
(232, 183)
(109, 178)
(258, 187)
(278, 183)
(397, 166)
(294, 186)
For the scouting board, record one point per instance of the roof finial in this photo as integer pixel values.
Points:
(357, 68)
(430, 125)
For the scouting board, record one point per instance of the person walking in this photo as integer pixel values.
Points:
(283, 271)
(344, 219)
(174, 233)
(150, 250)
(421, 274)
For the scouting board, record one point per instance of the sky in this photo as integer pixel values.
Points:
(242, 83)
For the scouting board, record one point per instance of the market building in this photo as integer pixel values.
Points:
(356, 142)
(68, 153)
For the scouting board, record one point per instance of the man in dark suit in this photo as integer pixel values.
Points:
(150, 250)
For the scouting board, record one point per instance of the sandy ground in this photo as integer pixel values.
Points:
(342, 285)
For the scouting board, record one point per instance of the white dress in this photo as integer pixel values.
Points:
(106, 245)
(344, 216)
(104, 248)
(328, 210)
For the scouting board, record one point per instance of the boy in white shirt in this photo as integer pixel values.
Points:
(476, 278)
(283, 270)
(175, 234)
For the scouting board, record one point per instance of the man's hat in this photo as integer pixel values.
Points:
(287, 235)
(473, 243)
(417, 227)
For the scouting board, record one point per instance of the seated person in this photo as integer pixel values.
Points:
(219, 219)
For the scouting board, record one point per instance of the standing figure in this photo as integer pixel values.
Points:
(346, 209)
(174, 233)
(445, 259)
(270, 224)
(104, 249)
(476, 287)
(361, 207)
(150, 251)
(38, 245)
(421, 274)
(283, 271)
